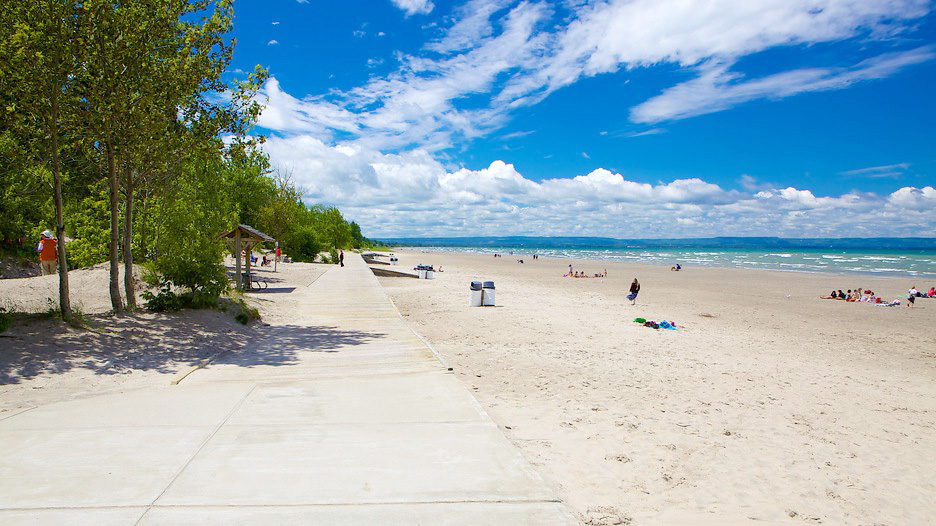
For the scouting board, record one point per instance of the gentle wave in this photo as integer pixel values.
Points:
(889, 264)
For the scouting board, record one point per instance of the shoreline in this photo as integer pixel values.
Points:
(908, 274)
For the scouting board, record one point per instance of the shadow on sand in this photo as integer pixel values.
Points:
(163, 343)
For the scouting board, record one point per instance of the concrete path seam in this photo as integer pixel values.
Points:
(197, 451)
(425, 341)
(316, 505)
(14, 413)
(317, 277)
(184, 374)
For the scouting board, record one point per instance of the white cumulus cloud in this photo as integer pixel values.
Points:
(415, 7)
(412, 194)
(921, 199)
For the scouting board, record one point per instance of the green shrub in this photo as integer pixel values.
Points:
(302, 244)
(149, 275)
(333, 256)
(241, 310)
(164, 300)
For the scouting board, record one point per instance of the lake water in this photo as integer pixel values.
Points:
(921, 264)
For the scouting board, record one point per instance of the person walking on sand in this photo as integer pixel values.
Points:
(48, 257)
(341, 257)
(634, 289)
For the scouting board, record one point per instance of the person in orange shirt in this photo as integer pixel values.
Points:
(48, 257)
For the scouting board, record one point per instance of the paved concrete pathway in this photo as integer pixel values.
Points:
(341, 415)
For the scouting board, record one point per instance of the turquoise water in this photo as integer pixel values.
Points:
(921, 264)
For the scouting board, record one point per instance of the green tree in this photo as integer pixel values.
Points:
(23, 199)
(249, 187)
(302, 245)
(89, 226)
(330, 227)
(357, 238)
(283, 213)
(153, 77)
(37, 57)
(196, 212)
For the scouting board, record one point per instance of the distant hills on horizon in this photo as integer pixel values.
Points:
(598, 243)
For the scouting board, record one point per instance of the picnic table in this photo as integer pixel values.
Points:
(245, 237)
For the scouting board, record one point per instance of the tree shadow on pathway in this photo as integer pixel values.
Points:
(160, 342)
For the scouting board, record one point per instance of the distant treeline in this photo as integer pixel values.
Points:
(741, 243)
(122, 131)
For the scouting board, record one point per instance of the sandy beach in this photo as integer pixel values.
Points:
(44, 361)
(767, 404)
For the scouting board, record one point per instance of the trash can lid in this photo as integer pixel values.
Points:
(475, 285)
(489, 284)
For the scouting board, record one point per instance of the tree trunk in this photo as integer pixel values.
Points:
(142, 251)
(128, 241)
(159, 220)
(116, 301)
(239, 281)
(64, 302)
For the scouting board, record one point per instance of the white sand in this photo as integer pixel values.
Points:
(45, 361)
(767, 404)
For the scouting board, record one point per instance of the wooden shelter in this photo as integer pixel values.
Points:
(245, 237)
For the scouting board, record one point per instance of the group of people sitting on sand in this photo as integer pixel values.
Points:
(913, 294)
(856, 295)
(869, 296)
(931, 293)
(582, 274)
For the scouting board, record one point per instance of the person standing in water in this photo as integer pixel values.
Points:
(634, 289)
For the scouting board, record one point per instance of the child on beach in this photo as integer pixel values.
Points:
(911, 295)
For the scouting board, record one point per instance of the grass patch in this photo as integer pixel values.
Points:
(238, 307)
(166, 300)
(7, 315)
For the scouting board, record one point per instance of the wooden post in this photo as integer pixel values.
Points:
(237, 265)
(247, 263)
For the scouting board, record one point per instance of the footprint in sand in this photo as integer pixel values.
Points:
(605, 516)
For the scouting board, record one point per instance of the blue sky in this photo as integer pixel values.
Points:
(637, 118)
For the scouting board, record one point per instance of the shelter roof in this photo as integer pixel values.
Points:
(248, 233)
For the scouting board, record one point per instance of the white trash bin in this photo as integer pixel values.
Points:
(487, 294)
(429, 274)
(474, 298)
(422, 273)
